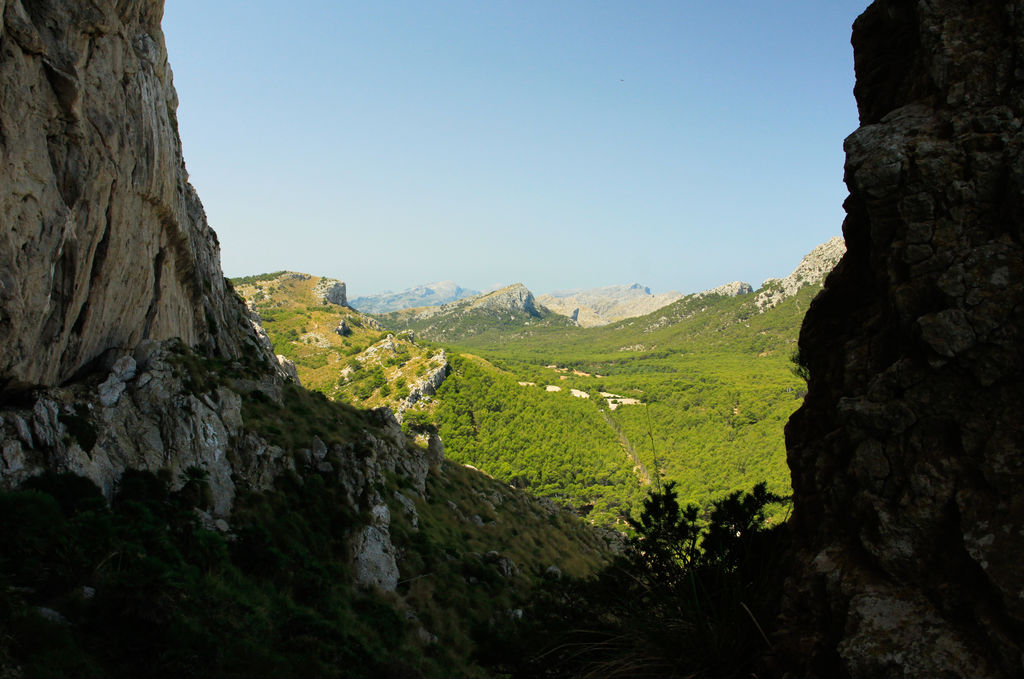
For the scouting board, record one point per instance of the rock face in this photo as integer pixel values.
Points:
(907, 453)
(105, 243)
(733, 289)
(600, 306)
(515, 298)
(431, 382)
(811, 270)
(113, 307)
(330, 291)
(146, 414)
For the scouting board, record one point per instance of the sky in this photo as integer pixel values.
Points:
(559, 143)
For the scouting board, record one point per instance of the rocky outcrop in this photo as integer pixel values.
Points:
(601, 306)
(907, 453)
(731, 289)
(288, 368)
(811, 270)
(431, 382)
(515, 298)
(105, 243)
(121, 344)
(374, 553)
(330, 291)
(146, 413)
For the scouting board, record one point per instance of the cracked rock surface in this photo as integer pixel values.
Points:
(907, 454)
(105, 243)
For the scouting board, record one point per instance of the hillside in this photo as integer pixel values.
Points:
(510, 310)
(431, 294)
(337, 350)
(174, 504)
(695, 393)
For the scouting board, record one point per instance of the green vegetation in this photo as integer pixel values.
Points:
(258, 278)
(553, 444)
(696, 393)
(141, 588)
(701, 392)
(307, 332)
(691, 597)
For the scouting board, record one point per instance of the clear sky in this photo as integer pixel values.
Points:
(560, 143)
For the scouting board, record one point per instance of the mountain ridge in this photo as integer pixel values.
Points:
(427, 294)
(606, 304)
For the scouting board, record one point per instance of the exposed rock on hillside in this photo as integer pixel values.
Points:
(600, 306)
(105, 242)
(731, 289)
(432, 294)
(811, 270)
(330, 291)
(146, 414)
(431, 382)
(514, 298)
(907, 454)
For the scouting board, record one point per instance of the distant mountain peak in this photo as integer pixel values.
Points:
(600, 306)
(428, 294)
(515, 297)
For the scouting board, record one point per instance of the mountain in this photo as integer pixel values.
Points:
(432, 294)
(174, 503)
(337, 350)
(511, 309)
(600, 306)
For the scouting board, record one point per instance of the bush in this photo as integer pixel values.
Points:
(689, 598)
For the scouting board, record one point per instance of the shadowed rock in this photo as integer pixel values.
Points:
(906, 455)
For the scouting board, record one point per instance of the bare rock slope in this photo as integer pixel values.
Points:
(811, 270)
(105, 243)
(907, 454)
(600, 306)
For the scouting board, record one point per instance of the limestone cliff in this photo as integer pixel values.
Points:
(105, 243)
(121, 344)
(907, 454)
(601, 306)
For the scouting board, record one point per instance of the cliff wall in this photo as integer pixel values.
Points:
(906, 455)
(105, 243)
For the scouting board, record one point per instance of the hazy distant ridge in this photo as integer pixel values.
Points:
(600, 306)
(431, 294)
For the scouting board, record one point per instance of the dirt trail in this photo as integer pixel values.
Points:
(639, 467)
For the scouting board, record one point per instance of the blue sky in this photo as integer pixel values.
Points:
(562, 144)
